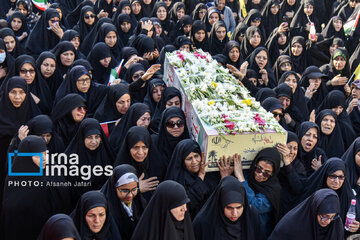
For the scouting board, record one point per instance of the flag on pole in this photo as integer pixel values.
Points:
(40, 4)
(243, 8)
(357, 72)
(114, 74)
(105, 127)
(352, 22)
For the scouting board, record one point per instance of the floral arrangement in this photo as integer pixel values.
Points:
(218, 97)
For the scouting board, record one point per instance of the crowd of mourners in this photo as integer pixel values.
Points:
(294, 56)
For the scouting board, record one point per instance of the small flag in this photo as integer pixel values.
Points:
(114, 74)
(357, 72)
(351, 24)
(105, 127)
(40, 4)
(243, 8)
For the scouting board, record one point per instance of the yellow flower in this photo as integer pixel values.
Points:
(213, 84)
(247, 102)
(211, 102)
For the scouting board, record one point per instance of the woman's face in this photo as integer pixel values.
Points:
(105, 62)
(126, 10)
(274, 9)
(308, 9)
(78, 114)
(332, 48)
(89, 18)
(36, 160)
(202, 13)
(285, 101)
(92, 142)
(180, 13)
(339, 63)
(220, 33)
(53, 21)
(27, 72)
(200, 35)
(261, 59)
(144, 120)
(282, 39)
(327, 124)
(337, 24)
(286, 66)
(175, 126)
(83, 83)
(316, 82)
(309, 140)
(48, 67)
(136, 8)
(16, 24)
(111, 39)
(125, 27)
(95, 218)
(139, 151)
(193, 162)
(291, 82)
(234, 54)
(179, 212)
(167, 2)
(156, 93)
(185, 47)
(137, 75)
(357, 158)
(161, 13)
(173, 102)
(221, 4)
(47, 137)
(17, 97)
(335, 180)
(233, 211)
(213, 18)
(263, 171)
(255, 40)
(123, 103)
(10, 43)
(325, 219)
(127, 192)
(67, 58)
(293, 147)
(291, 2)
(76, 42)
(187, 28)
(22, 9)
(296, 49)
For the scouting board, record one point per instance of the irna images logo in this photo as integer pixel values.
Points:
(15, 154)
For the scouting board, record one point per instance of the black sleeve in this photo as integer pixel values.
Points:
(135, 86)
(294, 179)
(198, 193)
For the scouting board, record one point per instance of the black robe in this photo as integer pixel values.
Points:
(248, 226)
(18, 49)
(81, 27)
(216, 46)
(59, 226)
(59, 49)
(197, 26)
(157, 222)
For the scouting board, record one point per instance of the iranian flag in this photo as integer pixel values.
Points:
(350, 25)
(114, 74)
(40, 4)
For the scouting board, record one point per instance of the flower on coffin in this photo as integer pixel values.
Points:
(211, 102)
(180, 55)
(247, 102)
(261, 122)
(213, 84)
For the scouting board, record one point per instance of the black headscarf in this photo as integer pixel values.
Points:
(157, 221)
(126, 224)
(58, 227)
(227, 48)
(9, 60)
(307, 157)
(216, 46)
(137, 93)
(246, 47)
(332, 144)
(153, 163)
(143, 44)
(88, 201)
(129, 120)
(167, 24)
(35, 44)
(355, 58)
(55, 80)
(24, 26)
(101, 156)
(329, 31)
(250, 5)
(299, 62)
(277, 66)
(179, 28)
(269, 20)
(238, 32)
(352, 169)
(42, 201)
(320, 93)
(265, 93)
(230, 190)
(81, 27)
(18, 49)
(275, 49)
(59, 49)
(147, 9)
(100, 51)
(107, 110)
(251, 16)
(95, 92)
(148, 100)
(318, 180)
(197, 26)
(63, 120)
(165, 142)
(124, 36)
(300, 20)
(254, 66)
(69, 35)
(301, 222)
(104, 5)
(270, 188)
(74, 15)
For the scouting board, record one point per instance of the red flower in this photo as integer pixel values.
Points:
(230, 125)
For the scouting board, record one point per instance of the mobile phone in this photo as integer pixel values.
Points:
(286, 19)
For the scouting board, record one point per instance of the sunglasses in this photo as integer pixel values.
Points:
(333, 177)
(25, 71)
(259, 169)
(170, 124)
(278, 115)
(89, 16)
(137, 76)
(80, 109)
(325, 218)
